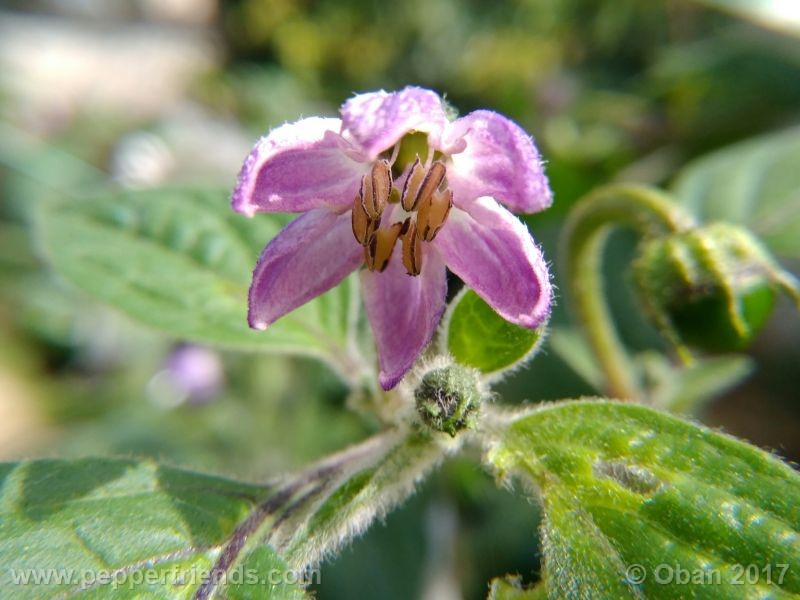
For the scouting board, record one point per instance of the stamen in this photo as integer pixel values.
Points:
(421, 196)
(381, 185)
(411, 186)
(376, 189)
(418, 189)
(363, 226)
(412, 255)
(432, 214)
(366, 196)
(381, 246)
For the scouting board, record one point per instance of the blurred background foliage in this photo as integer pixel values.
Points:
(136, 93)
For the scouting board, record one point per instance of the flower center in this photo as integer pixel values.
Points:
(425, 202)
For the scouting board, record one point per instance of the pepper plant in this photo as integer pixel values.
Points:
(409, 275)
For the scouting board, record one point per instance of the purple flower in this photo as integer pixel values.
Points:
(191, 374)
(405, 216)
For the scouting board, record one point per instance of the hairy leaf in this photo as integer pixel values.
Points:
(180, 260)
(640, 504)
(478, 337)
(96, 528)
(87, 528)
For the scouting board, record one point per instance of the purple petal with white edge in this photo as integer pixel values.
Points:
(494, 254)
(376, 121)
(403, 312)
(307, 258)
(298, 167)
(495, 157)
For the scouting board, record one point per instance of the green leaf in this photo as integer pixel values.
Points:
(154, 531)
(478, 337)
(755, 183)
(180, 260)
(160, 532)
(628, 490)
(44, 168)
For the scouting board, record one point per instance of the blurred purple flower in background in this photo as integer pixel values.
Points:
(361, 196)
(191, 373)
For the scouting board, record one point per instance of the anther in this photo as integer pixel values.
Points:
(380, 247)
(421, 184)
(374, 194)
(381, 184)
(376, 188)
(412, 256)
(432, 214)
(411, 186)
(421, 196)
(364, 227)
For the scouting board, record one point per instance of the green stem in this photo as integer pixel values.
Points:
(647, 211)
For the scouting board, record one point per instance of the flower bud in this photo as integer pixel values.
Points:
(712, 287)
(448, 398)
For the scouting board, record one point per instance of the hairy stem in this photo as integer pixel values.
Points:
(647, 211)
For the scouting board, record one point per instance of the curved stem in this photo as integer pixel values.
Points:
(645, 210)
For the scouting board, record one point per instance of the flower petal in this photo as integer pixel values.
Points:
(493, 253)
(495, 157)
(307, 258)
(403, 312)
(376, 121)
(297, 167)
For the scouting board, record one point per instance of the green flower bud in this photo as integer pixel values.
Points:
(712, 287)
(448, 398)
